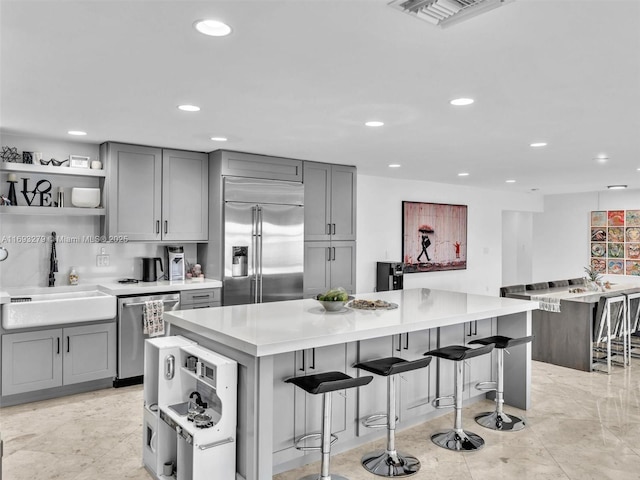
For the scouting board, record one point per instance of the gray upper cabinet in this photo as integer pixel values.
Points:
(329, 202)
(134, 191)
(154, 194)
(239, 164)
(185, 195)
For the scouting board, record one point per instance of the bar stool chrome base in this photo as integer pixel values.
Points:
(501, 422)
(458, 440)
(390, 464)
(315, 476)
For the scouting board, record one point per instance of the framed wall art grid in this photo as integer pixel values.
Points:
(615, 241)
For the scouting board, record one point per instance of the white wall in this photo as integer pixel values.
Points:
(380, 231)
(517, 235)
(561, 232)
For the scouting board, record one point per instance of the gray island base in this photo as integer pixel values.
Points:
(275, 341)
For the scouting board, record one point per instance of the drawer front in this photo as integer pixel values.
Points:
(191, 297)
(194, 306)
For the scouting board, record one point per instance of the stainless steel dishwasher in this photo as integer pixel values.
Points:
(130, 336)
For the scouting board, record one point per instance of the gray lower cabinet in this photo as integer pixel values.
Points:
(205, 298)
(297, 413)
(329, 265)
(42, 359)
(329, 202)
(478, 369)
(153, 194)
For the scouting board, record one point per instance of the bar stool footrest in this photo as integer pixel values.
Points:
(369, 421)
(299, 446)
(489, 386)
(436, 402)
(390, 464)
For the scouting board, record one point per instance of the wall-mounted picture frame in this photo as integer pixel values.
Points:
(434, 237)
(79, 161)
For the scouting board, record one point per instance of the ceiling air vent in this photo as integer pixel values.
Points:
(446, 12)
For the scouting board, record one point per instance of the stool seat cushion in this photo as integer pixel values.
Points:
(328, 382)
(460, 352)
(501, 341)
(392, 365)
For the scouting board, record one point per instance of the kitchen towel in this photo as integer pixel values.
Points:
(153, 321)
(547, 303)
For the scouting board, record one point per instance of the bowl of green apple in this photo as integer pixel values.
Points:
(333, 300)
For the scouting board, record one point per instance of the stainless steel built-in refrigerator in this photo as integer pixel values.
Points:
(263, 240)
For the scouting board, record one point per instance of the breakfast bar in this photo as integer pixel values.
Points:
(274, 341)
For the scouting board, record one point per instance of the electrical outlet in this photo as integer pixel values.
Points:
(102, 260)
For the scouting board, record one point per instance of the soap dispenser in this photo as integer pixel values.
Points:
(73, 276)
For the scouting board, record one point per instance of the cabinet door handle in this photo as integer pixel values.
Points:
(328, 254)
(68, 344)
(399, 343)
(334, 253)
(302, 369)
(469, 334)
(58, 338)
(475, 327)
(157, 227)
(406, 341)
(328, 229)
(333, 229)
(166, 226)
(313, 359)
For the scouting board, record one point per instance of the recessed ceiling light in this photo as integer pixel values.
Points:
(616, 187)
(538, 144)
(213, 28)
(219, 139)
(374, 123)
(189, 108)
(510, 181)
(394, 165)
(461, 102)
(601, 159)
(76, 132)
(463, 174)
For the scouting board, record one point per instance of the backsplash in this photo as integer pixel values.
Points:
(28, 240)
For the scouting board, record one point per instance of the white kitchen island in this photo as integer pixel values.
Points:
(274, 341)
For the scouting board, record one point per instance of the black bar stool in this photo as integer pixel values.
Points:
(457, 439)
(390, 462)
(498, 420)
(325, 383)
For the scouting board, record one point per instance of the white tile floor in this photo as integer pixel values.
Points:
(582, 426)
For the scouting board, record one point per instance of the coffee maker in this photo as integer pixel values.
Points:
(389, 276)
(175, 262)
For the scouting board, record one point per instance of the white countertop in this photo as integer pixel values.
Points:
(112, 287)
(279, 327)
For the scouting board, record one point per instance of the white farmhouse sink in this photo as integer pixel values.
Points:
(58, 308)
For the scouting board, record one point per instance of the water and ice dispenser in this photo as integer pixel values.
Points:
(239, 266)
(190, 403)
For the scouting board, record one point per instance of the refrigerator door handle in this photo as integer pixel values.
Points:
(260, 253)
(254, 246)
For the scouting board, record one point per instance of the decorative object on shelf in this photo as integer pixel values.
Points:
(12, 179)
(78, 161)
(60, 202)
(27, 158)
(4, 200)
(42, 188)
(96, 165)
(37, 157)
(85, 197)
(9, 154)
(434, 237)
(53, 161)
